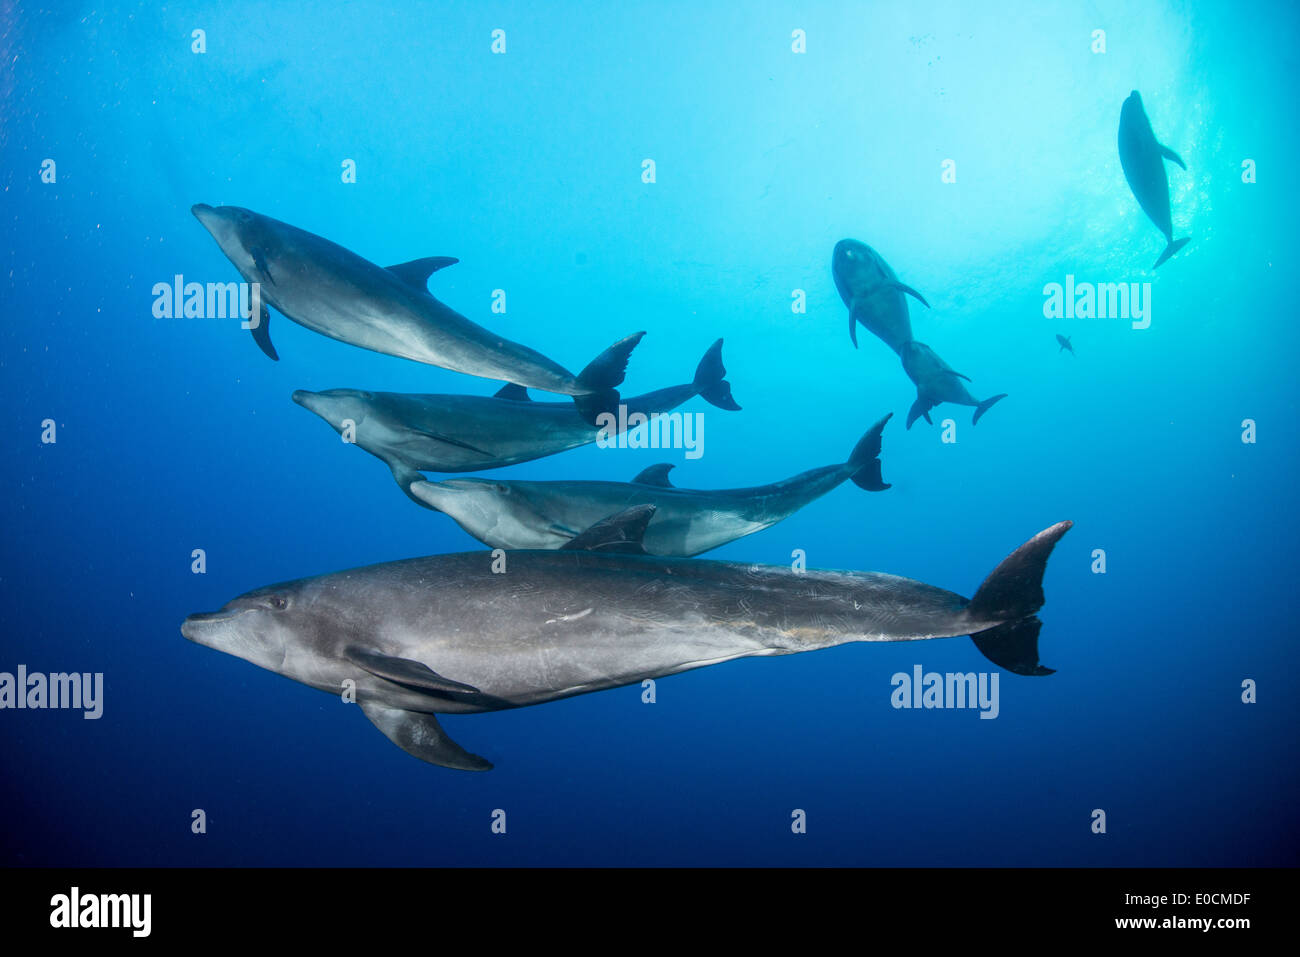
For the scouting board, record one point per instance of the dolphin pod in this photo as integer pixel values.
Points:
(530, 515)
(1143, 157)
(600, 588)
(465, 433)
(333, 291)
(443, 635)
(875, 299)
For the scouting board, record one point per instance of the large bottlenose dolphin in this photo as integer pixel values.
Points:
(467, 433)
(515, 514)
(873, 294)
(1143, 159)
(333, 291)
(937, 382)
(440, 635)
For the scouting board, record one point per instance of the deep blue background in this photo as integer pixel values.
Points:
(179, 434)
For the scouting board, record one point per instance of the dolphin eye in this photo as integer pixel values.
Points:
(277, 602)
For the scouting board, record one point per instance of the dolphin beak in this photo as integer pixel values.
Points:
(195, 625)
(308, 400)
(204, 214)
(433, 494)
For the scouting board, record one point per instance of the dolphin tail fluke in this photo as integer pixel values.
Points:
(420, 735)
(866, 457)
(1173, 247)
(710, 382)
(601, 379)
(1012, 595)
(1014, 646)
(985, 406)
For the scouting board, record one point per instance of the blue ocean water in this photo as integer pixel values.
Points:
(177, 434)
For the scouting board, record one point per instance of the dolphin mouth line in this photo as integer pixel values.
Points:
(208, 618)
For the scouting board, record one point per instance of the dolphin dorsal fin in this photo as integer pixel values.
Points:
(621, 532)
(404, 671)
(416, 273)
(512, 390)
(656, 475)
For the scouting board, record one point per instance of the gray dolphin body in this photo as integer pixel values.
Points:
(937, 382)
(1143, 158)
(873, 294)
(876, 299)
(466, 433)
(444, 635)
(531, 515)
(333, 291)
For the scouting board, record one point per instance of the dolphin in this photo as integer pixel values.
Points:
(333, 291)
(1065, 344)
(444, 635)
(936, 382)
(467, 433)
(873, 294)
(514, 514)
(1142, 158)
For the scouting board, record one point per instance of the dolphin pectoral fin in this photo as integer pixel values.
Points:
(907, 290)
(985, 406)
(416, 273)
(404, 671)
(259, 263)
(1013, 646)
(421, 736)
(954, 372)
(920, 409)
(1170, 155)
(262, 334)
(853, 327)
(1173, 247)
(621, 532)
(512, 391)
(656, 475)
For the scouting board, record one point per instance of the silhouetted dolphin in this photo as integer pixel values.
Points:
(936, 382)
(333, 291)
(1142, 158)
(443, 634)
(467, 433)
(873, 293)
(515, 514)
(1065, 344)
